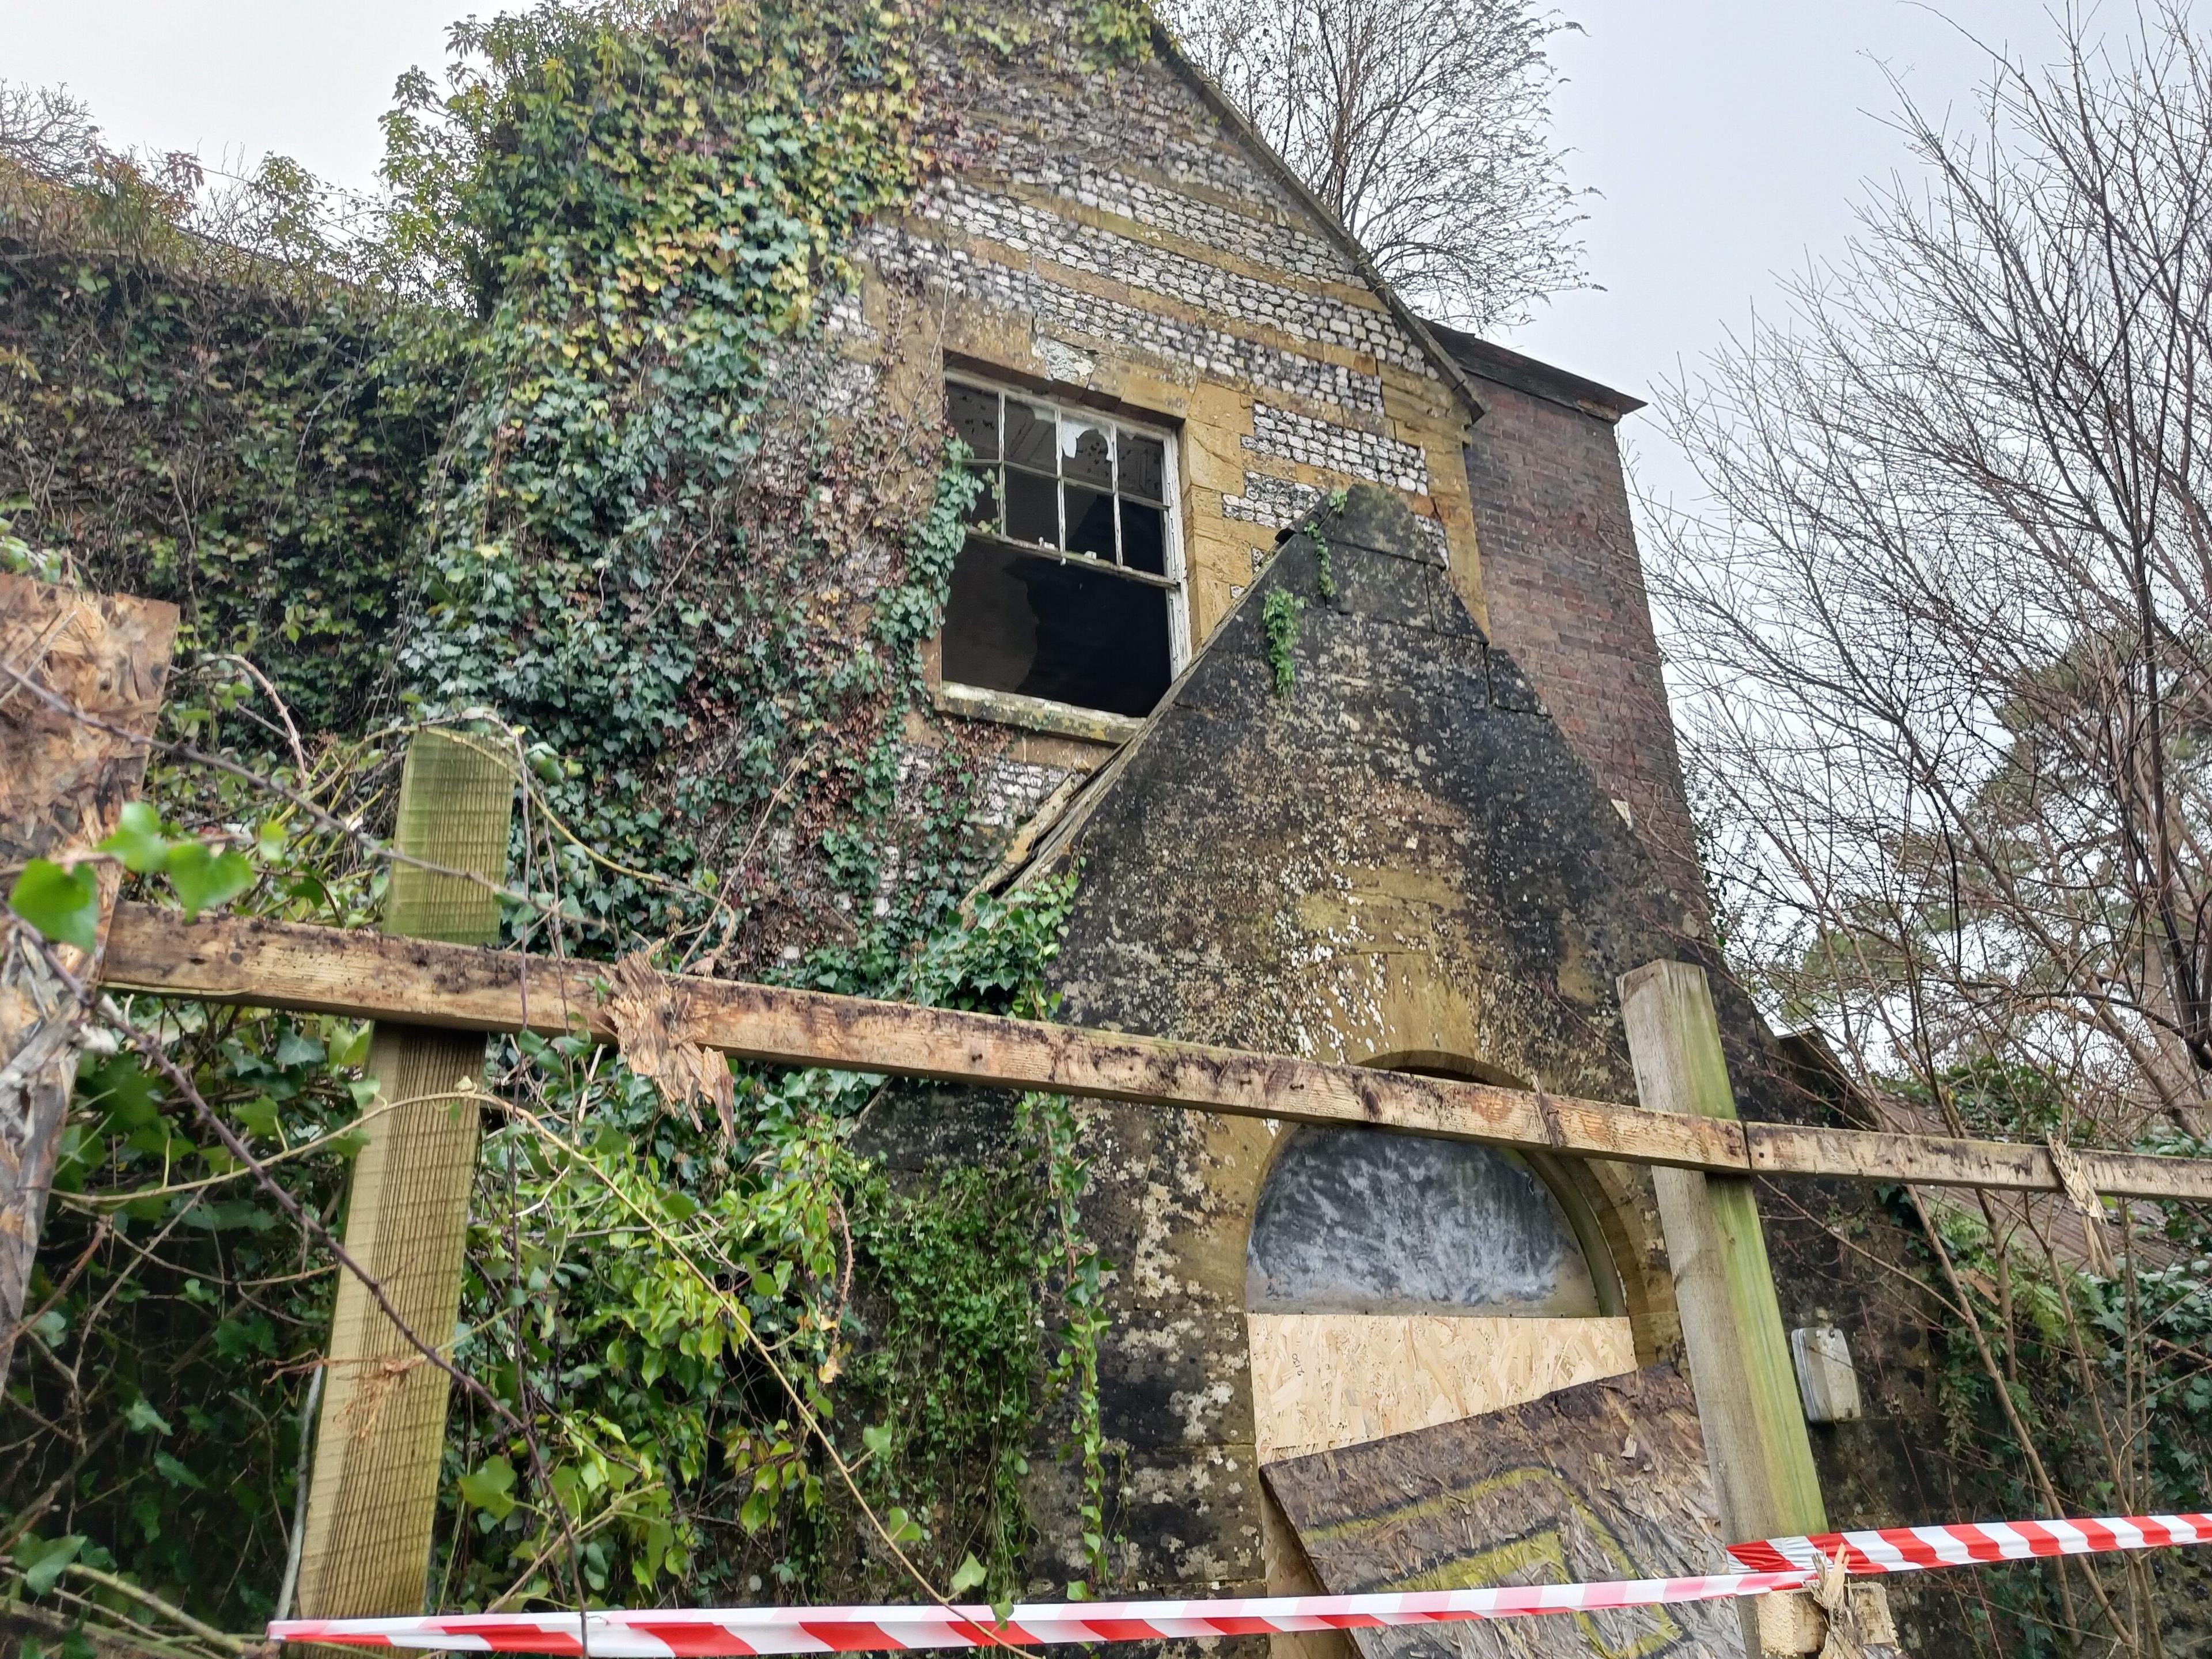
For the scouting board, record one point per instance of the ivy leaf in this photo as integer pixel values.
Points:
(490, 1487)
(969, 1574)
(877, 1437)
(176, 1474)
(43, 1561)
(63, 904)
(349, 1044)
(138, 841)
(757, 1508)
(143, 1416)
(204, 877)
(902, 1527)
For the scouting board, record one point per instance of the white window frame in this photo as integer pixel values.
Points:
(1174, 582)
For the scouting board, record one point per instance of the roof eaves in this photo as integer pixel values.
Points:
(1447, 367)
(1487, 361)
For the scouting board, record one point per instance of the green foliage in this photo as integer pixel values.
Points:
(642, 510)
(244, 440)
(684, 1310)
(174, 1303)
(62, 903)
(1281, 619)
(2103, 1375)
(583, 464)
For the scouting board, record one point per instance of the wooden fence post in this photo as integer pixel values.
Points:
(372, 1500)
(63, 784)
(1739, 1356)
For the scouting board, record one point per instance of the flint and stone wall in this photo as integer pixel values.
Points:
(1110, 241)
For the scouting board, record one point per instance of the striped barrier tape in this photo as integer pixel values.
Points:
(867, 1630)
(1773, 1564)
(1912, 1549)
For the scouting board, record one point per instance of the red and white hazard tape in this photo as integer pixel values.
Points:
(1774, 1563)
(867, 1630)
(1911, 1549)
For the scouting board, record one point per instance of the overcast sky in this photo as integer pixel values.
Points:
(1728, 138)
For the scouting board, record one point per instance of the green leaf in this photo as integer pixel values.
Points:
(125, 1090)
(44, 1560)
(349, 1044)
(490, 1487)
(902, 1527)
(969, 1574)
(877, 1437)
(204, 877)
(142, 1416)
(176, 1474)
(63, 904)
(297, 1048)
(138, 841)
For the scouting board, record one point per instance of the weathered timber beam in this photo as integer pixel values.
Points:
(327, 970)
(376, 976)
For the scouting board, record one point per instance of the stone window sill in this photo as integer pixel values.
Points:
(1035, 713)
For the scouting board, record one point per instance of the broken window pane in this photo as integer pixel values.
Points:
(1086, 452)
(1090, 521)
(975, 418)
(1032, 508)
(1143, 467)
(1071, 633)
(1070, 619)
(1032, 438)
(1144, 539)
(984, 514)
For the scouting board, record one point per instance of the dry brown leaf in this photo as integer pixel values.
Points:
(641, 1004)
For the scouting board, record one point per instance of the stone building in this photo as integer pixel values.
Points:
(1425, 826)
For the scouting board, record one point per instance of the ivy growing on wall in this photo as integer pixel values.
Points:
(584, 445)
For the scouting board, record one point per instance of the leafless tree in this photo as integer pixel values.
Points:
(47, 130)
(1423, 125)
(1943, 635)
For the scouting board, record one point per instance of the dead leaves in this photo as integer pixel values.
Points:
(642, 1002)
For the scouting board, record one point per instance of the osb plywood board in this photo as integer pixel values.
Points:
(1604, 1481)
(1320, 1381)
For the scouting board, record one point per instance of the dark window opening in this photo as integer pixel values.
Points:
(1064, 590)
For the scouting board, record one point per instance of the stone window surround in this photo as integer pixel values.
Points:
(1037, 714)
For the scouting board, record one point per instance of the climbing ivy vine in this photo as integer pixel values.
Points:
(581, 447)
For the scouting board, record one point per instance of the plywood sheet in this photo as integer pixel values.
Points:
(1320, 1381)
(1604, 1481)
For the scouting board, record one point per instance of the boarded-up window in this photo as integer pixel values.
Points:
(1069, 587)
(1358, 1221)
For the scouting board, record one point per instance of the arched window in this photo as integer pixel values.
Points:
(1395, 1281)
(1358, 1221)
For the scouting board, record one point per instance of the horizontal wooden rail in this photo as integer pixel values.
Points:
(372, 975)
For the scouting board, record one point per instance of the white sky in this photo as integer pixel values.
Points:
(1728, 136)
